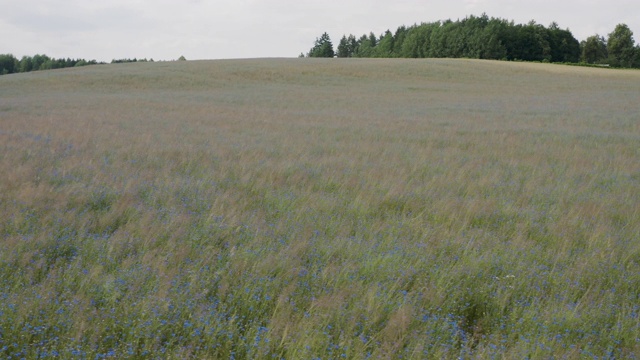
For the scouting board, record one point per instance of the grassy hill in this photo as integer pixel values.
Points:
(320, 208)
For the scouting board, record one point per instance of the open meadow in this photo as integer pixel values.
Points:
(320, 209)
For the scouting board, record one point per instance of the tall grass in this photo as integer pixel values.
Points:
(320, 209)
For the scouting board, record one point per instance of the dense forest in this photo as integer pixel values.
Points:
(487, 38)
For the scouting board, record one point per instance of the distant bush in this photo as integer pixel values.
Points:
(122, 61)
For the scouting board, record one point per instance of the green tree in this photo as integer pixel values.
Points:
(7, 64)
(529, 43)
(594, 50)
(399, 37)
(564, 47)
(347, 46)
(26, 64)
(323, 47)
(492, 46)
(384, 49)
(364, 48)
(38, 61)
(416, 40)
(373, 40)
(436, 45)
(353, 44)
(620, 46)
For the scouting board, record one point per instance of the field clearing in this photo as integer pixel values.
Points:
(320, 208)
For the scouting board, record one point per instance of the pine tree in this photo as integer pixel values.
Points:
(323, 47)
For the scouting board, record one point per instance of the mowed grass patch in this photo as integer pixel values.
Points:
(308, 208)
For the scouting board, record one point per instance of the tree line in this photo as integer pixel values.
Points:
(9, 64)
(481, 37)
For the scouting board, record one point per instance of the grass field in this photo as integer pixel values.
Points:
(320, 209)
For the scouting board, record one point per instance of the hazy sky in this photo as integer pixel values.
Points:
(214, 29)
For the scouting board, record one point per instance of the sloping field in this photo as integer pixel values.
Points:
(302, 208)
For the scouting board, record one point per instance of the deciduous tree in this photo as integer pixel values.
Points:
(620, 46)
(594, 50)
(7, 64)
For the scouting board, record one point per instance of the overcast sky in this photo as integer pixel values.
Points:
(215, 29)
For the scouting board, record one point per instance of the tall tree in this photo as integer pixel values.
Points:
(594, 49)
(384, 49)
(373, 40)
(564, 47)
(365, 47)
(347, 46)
(323, 47)
(399, 37)
(621, 46)
(415, 44)
(492, 46)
